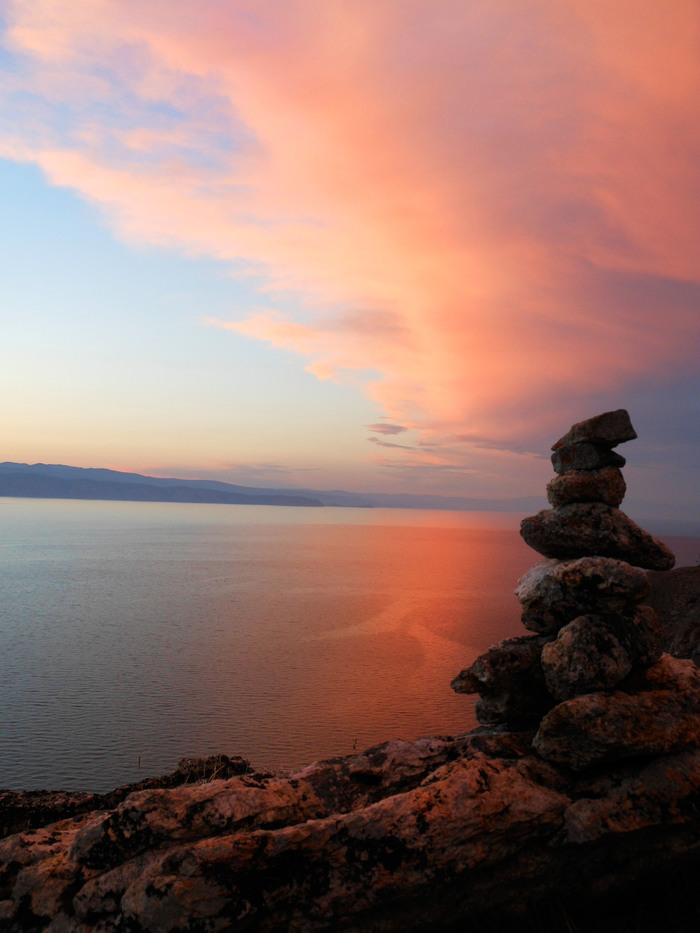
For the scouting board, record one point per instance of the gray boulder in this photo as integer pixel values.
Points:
(584, 457)
(608, 430)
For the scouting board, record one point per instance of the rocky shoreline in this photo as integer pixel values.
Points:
(575, 806)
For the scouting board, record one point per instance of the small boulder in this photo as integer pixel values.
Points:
(588, 655)
(510, 681)
(554, 592)
(605, 485)
(608, 430)
(584, 529)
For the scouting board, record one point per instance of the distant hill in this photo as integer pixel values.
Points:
(57, 481)
(46, 481)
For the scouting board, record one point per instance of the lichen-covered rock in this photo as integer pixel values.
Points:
(481, 839)
(584, 529)
(605, 485)
(587, 655)
(660, 715)
(585, 457)
(510, 681)
(467, 816)
(20, 810)
(461, 808)
(608, 430)
(554, 592)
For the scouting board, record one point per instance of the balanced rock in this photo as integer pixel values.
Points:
(596, 652)
(607, 430)
(657, 713)
(588, 655)
(605, 485)
(583, 529)
(584, 457)
(554, 592)
(510, 680)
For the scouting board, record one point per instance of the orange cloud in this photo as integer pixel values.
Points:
(480, 208)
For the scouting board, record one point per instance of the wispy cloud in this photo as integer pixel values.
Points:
(381, 443)
(383, 428)
(483, 213)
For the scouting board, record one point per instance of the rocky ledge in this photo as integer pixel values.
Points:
(575, 806)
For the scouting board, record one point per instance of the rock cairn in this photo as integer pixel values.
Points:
(591, 680)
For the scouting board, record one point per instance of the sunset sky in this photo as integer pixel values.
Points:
(389, 245)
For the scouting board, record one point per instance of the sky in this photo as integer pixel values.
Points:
(380, 246)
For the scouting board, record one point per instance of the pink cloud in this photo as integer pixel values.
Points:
(480, 208)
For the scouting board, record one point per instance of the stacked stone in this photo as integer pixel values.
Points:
(584, 602)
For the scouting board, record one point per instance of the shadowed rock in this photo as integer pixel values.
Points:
(605, 485)
(607, 430)
(554, 592)
(20, 810)
(657, 713)
(676, 598)
(471, 832)
(584, 529)
(585, 457)
(588, 655)
(597, 652)
(510, 681)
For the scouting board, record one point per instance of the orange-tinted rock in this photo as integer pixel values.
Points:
(605, 485)
(660, 716)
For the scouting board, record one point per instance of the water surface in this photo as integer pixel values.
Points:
(134, 634)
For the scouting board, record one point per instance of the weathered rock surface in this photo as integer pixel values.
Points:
(676, 598)
(596, 652)
(407, 836)
(657, 712)
(588, 655)
(584, 529)
(20, 810)
(585, 457)
(554, 592)
(608, 430)
(605, 485)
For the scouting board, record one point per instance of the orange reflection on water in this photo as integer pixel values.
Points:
(371, 624)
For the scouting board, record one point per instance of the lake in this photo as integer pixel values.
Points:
(135, 634)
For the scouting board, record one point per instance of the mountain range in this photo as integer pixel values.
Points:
(57, 481)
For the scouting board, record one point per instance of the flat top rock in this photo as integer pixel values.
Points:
(609, 429)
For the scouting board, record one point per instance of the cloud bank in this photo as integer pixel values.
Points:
(484, 214)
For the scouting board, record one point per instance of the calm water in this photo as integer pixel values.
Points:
(134, 634)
